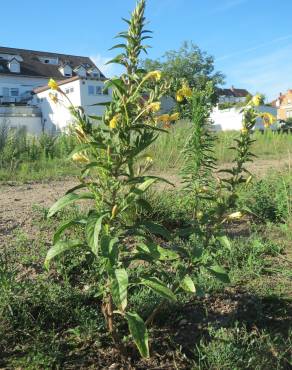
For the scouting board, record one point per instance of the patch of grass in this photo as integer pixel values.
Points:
(238, 348)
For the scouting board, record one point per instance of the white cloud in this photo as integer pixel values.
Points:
(109, 70)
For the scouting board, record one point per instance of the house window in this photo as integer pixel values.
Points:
(98, 90)
(90, 90)
(105, 91)
(14, 92)
(71, 89)
(289, 113)
(67, 91)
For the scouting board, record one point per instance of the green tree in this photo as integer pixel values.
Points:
(188, 63)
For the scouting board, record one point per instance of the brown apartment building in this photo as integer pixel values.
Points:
(284, 105)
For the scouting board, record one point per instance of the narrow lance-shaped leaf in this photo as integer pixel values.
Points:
(66, 225)
(219, 273)
(139, 333)
(59, 248)
(188, 285)
(159, 287)
(119, 288)
(92, 231)
(66, 200)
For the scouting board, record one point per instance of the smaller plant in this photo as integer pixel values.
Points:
(238, 174)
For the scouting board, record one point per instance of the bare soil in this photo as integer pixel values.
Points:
(17, 201)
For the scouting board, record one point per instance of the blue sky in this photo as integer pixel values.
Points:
(251, 40)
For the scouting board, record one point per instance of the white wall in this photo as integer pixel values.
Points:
(231, 119)
(87, 100)
(29, 117)
(57, 115)
(24, 84)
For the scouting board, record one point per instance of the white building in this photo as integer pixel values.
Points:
(24, 72)
(80, 91)
(232, 95)
(231, 119)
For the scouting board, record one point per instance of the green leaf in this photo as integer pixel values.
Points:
(188, 285)
(60, 248)
(146, 184)
(224, 241)
(66, 225)
(92, 231)
(139, 333)
(157, 252)
(66, 200)
(109, 248)
(118, 46)
(77, 187)
(156, 229)
(159, 287)
(219, 273)
(119, 288)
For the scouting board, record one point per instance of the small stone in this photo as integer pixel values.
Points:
(113, 366)
(182, 322)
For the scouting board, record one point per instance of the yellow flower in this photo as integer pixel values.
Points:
(154, 75)
(186, 91)
(163, 118)
(199, 215)
(179, 97)
(268, 119)
(235, 216)
(53, 84)
(54, 98)
(174, 117)
(154, 107)
(80, 157)
(244, 131)
(114, 121)
(149, 159)
(257, 100)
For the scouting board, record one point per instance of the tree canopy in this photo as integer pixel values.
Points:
(188, 63)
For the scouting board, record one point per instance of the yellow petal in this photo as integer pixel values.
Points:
(80, 157)
(179, 97)
(114, 121)
(257, 100)
(155, 75)
(235, 216)
(174, 117)
(53, 84)
(154, 107)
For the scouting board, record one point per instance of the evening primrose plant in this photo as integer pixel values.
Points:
(213, 198)
(114, 176)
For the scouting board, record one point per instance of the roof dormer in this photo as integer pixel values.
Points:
(81, 71)
(94, 72)
(14, 65)
(66, 70)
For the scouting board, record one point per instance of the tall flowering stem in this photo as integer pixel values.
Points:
(110, 155)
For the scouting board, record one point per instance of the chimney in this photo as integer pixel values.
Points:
(232, 88)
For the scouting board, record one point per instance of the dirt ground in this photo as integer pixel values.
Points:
(17, 201)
